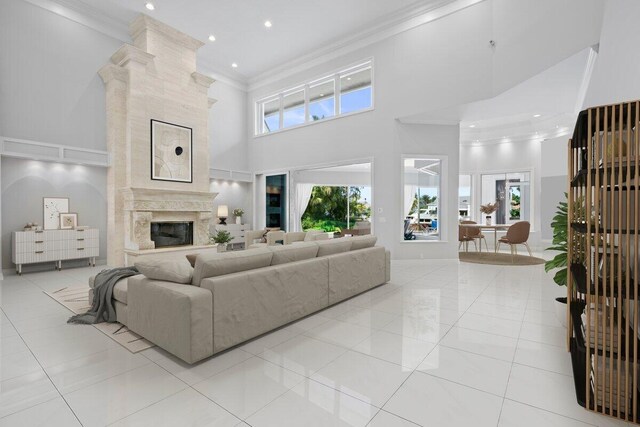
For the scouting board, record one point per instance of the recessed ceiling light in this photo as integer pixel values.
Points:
(268, 24)
(234, 65)
(472, 126)
(322, 94)
(149, 5)
(537, 115)
(212, 38)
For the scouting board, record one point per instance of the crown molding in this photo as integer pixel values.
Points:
(398, 23)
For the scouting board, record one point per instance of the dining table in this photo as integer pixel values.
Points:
(494, 227)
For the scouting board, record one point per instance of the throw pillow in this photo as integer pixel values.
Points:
(192, 259)
(362, 242)
(177, 271)
(333, 246)
(293, 253)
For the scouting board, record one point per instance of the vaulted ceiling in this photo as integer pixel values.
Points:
(298, 26)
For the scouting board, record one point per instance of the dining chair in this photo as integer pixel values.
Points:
(476, 233)
(463, 238)
(517, 234)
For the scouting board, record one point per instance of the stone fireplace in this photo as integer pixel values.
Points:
(154, 78)
(172, 233)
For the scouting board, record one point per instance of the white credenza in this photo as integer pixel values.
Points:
(236, 231)
(29, 247)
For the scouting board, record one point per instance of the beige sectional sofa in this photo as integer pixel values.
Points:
(236, 296)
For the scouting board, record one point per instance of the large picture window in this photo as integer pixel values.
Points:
(512, 191)
(422, 199)
(345, 92)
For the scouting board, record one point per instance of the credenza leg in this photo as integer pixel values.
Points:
(19, 269)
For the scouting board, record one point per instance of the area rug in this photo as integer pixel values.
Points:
(499, 259)
(77, 300)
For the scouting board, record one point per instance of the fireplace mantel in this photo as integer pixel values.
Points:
(146, 199)
(142, 206)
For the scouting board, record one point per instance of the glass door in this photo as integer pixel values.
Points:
(276, 201)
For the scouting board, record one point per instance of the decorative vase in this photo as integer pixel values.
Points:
(488, 220)
(239, 220)
(222, 247)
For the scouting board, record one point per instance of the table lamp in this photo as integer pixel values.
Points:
(223, 214)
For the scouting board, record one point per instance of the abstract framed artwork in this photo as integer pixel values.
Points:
(171, 152)
(68, 221)
(52, 208)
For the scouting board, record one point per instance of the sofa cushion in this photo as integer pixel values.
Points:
(120, 290)
(297, 252)
(177, 271)
(363, 242)
(333, 246)
(218, 264)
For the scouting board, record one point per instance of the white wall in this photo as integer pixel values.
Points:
(443, 63)
(227, 128)
(49, 87)
(500, 158)
(553, 181)
(234, 194)
(615, 75)
(26, 182)
(320, 177)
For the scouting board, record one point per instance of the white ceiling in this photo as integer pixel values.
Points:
(555, 96)
(299, 26)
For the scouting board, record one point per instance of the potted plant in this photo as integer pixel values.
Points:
(238, 214)
(488, 209)
(222, 238)
(560, 226)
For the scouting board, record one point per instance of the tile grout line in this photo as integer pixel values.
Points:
(47, 375)
(422, 361)
(515, 352)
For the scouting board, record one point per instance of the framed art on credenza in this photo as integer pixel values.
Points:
(52, 208)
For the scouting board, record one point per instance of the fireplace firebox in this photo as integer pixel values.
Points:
(168, 234)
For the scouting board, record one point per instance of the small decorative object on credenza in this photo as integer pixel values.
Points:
(488, 209)
(238, 212)
(32, 226)
(171, 152)
(223, 213)
(52, 208)
(222, 238)
(68, 221)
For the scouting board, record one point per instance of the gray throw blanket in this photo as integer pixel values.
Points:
(102, 307)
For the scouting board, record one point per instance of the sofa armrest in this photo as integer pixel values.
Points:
(173, 316)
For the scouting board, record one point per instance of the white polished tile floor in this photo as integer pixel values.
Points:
(443, 344)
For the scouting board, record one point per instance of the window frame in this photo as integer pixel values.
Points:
(443, 195)
(335, 76)
(532, 204)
